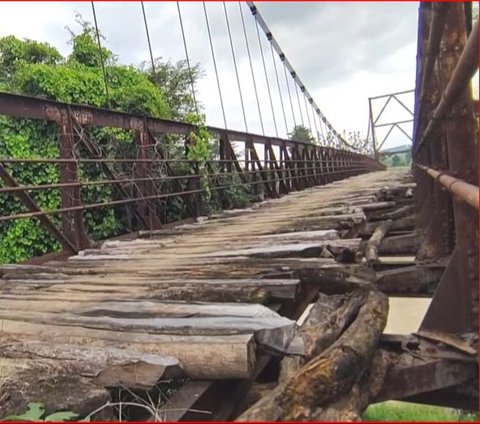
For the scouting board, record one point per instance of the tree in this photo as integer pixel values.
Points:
(38, 69)
(396, 161)
(175, 81)
(301, 133)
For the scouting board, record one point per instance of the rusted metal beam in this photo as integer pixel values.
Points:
(464, 71)
(420, 376)
(454, 307)
(72, 223)
(33, 207)
(20, 106)
(460, 189)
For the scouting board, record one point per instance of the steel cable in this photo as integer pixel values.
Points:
(214, 63)
(148, 37)
(266, 77)
(279, 89)
(289, 94)
(192, 85)
(299, 104)
(235, 66)
(101, 56)
(306, 112)
(251, 68)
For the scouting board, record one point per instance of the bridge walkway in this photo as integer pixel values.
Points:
(207, 301)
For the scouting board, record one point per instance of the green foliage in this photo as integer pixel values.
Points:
(401, 411)
(85, 47)
(301, 133)
(397, 159)
(37, 69)
(36, 411)
(15, 52)
(175, 81)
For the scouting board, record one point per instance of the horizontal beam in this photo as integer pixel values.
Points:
(20, 106)
(464, 191)
(398, 93)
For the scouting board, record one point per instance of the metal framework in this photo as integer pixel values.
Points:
(375, 118)
(299, 165)
(445, 168)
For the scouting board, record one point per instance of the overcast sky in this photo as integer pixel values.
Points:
(344, 52)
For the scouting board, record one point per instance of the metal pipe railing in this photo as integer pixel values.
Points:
(461, 189)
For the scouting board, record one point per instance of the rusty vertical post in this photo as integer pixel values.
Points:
(146, 208)
(72, 222)
(454, 307)
(372, 129)
(321, 164)
(435, 217)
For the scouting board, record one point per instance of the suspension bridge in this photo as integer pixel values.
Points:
(270, 312)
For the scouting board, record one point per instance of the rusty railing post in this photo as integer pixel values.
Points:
(72, 222)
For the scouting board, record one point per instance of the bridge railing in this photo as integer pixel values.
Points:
(142, 185)
(445, 152)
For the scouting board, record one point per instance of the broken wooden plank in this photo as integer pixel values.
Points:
(408, 280)
(403, 244)
(371, 249)
(202, 357)
(106, 367)
(330, 374)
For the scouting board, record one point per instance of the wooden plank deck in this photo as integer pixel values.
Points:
(189, 302)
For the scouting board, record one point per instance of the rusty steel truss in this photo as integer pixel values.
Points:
(445, 168)
(374, 118)
(283, 166)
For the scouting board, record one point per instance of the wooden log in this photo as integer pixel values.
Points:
(329, 375)
(202, 357)
(402, 224)
(371, 249)
(413, 280)
(339, 278)
(106, 367)
(351, 405)
(403, 244)
(305, 250)
(328, 317)
(274, 332)
(334, 372)
(247, 290)
(141, 308)
(398, 213)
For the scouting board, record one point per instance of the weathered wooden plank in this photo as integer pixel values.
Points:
(202, 357)
(371, 249)
(105, 367)
(274, 332)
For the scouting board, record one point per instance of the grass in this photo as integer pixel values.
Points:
(403, 411)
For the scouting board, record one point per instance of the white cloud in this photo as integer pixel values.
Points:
(344, 52)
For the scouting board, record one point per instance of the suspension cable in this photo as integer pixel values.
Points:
(214, 63)
(101, 56)
(321, 129)
(315, 123)
(298, 99)
(251, 67)
(148, 36)
(289, 93)
(306, 112)
(192, 85)
(266, 77)
(235, 66)
(279, 88)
